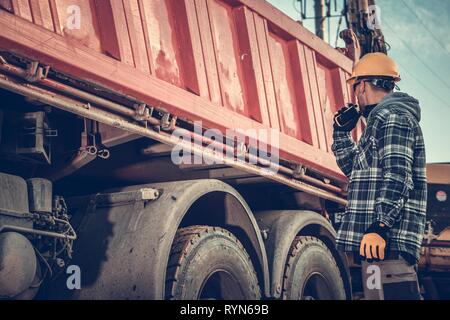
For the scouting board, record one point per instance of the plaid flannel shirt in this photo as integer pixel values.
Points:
(387, 179)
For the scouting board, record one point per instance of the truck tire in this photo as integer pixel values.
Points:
(311, 272)
(210, 263)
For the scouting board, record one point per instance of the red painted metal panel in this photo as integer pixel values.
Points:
(282, 76)
(266, 67)
(42, 14)
(89, 32)
(162, 37)
(228, 58)
(340, 87)
(209, 55)
(55, 16)
(135, 24)
(329, 87)
(111, 45)
(121, 31)
(251, 64)
(286, 24)
(303, 92)
(190, 52)
(236, 64)
(317, 106)
(22, 9)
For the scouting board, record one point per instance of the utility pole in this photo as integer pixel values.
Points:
(319, 8)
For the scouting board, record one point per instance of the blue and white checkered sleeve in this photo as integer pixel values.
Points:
(396, 138)
(344, 149)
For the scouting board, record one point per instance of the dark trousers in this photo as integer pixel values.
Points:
(391, 279)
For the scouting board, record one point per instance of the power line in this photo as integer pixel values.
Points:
(301, 7)
(418, 57)
(337, 32)
(445, 103)
(424, 25)
(296, 9)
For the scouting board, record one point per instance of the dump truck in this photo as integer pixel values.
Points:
(434, 263)
(113, 185)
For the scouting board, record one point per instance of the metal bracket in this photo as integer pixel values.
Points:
(168, 122)
(265, 233)
(143, 112)
(429, 235)
(36, 73)
(149, 194)
(240, 149)
(299, 171)
(51, 133)
(165, 122)
(93, 141)
(104, 153)
(94, 151)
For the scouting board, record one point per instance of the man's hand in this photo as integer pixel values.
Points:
(350, 119)
(374, 241)
(372, 246)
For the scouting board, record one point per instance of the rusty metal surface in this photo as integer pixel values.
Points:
(444, 235)
(435, 256)
(435, 259)
(112, 120)
(438, 173)
(231, 63)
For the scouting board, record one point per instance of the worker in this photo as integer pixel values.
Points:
(384, 220)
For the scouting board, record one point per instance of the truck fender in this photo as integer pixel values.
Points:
(280, 228)
(123, 249)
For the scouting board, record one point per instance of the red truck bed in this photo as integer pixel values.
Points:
(229, 63)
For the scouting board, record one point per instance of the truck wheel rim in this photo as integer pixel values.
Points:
(221, 285)
(316, 287)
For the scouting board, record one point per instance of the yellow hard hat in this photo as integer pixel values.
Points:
(375, 64)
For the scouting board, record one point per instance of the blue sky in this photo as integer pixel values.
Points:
(423, 59)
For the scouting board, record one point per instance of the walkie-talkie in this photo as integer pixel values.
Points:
(346, 115)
